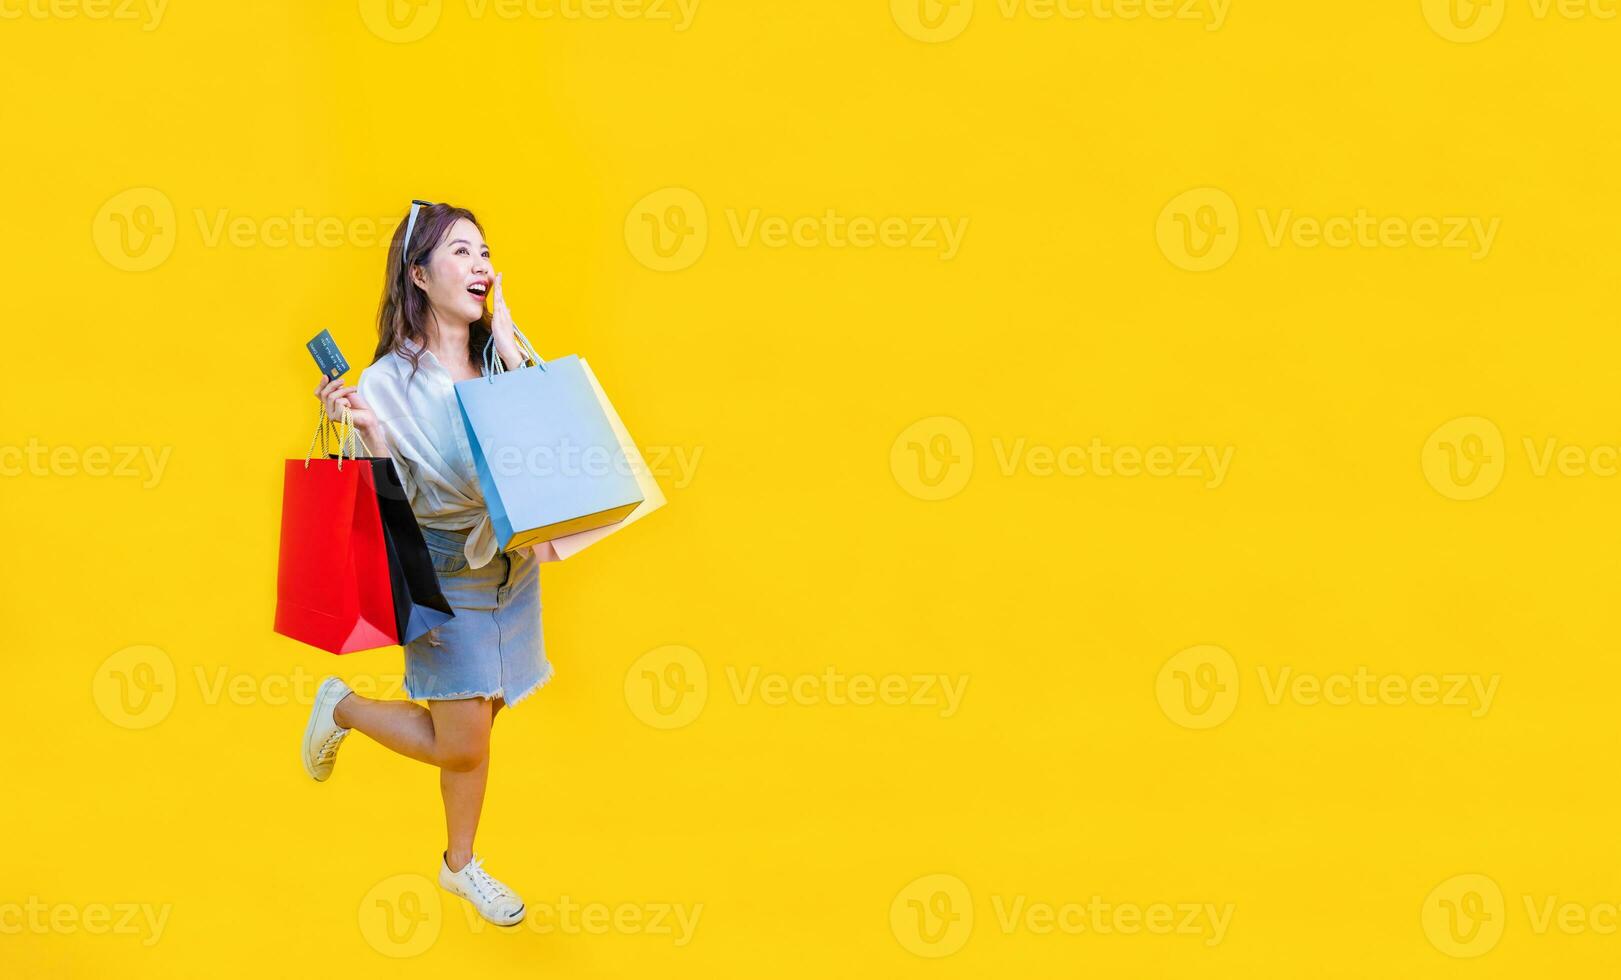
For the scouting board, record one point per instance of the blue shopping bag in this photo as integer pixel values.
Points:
(549, 461)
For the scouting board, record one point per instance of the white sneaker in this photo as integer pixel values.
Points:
(322, 735)
(494, 901)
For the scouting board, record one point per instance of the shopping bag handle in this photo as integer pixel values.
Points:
(347, 436)
(493, 365)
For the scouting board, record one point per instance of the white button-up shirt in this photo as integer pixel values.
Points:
(429, 446)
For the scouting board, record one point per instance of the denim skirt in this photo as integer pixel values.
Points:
(492, 647)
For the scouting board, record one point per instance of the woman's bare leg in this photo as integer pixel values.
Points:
(465, 726)
(453, 735)
(407, 727)
(403, 726)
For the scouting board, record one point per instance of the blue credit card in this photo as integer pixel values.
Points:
(327, 355)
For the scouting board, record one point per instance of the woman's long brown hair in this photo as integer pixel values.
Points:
(403, 314)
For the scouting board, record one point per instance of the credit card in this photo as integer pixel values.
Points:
(327, 356)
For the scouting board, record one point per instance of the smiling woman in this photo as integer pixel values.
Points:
(434, 330)
(453, 238)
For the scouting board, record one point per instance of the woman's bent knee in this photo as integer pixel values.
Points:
(462, 733)
(464, 758)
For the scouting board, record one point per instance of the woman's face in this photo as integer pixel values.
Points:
(458, 275)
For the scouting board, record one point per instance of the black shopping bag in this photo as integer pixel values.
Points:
(419, 605)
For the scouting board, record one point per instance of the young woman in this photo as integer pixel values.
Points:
(433, 329)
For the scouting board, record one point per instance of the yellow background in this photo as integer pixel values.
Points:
(802, 540)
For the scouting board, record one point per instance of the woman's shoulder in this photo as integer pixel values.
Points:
(381, 380)
(386, 366)
(388, 377)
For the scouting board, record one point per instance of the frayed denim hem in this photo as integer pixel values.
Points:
(500, 693)
(545, 676)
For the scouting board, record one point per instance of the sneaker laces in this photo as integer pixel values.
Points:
(329, 748)
(488, 888)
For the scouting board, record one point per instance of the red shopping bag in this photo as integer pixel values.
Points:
(332, 584)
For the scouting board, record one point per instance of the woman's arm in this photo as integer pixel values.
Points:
(374, 441)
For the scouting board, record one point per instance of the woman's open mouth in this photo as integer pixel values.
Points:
(480, 290)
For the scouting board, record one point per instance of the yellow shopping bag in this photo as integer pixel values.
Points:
(570, 545)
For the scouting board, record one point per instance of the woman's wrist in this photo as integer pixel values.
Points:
(506, 348)
(372, 434)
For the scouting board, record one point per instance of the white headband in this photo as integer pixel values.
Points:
(405, 245)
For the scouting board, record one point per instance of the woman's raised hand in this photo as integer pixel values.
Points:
(500, 316)
(502, 329)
